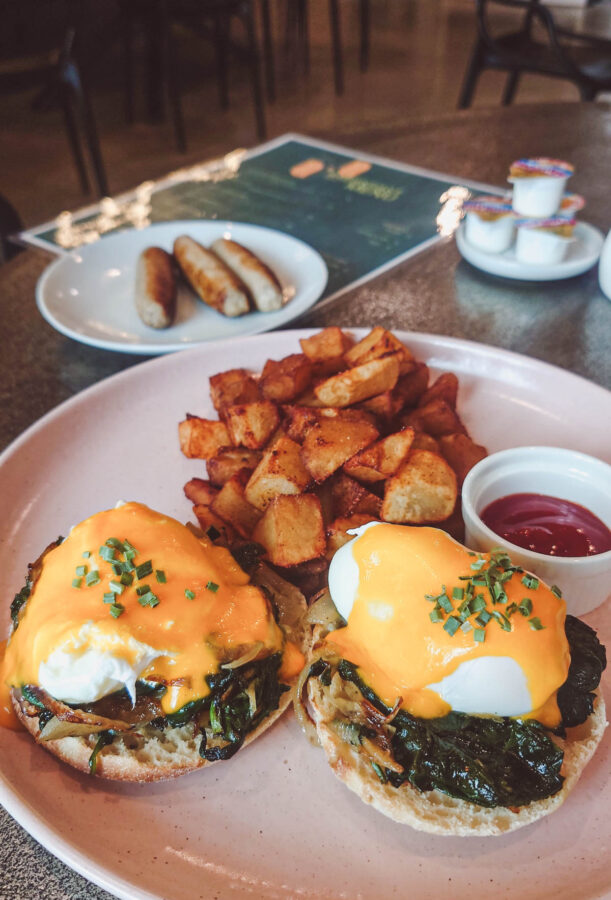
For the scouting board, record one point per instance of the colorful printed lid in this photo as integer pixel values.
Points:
(542, 166)
(489, 204)
(549, 222)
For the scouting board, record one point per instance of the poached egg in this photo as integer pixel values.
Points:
(444, 628)
(129, 594)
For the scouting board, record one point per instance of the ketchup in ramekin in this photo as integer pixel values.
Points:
(547, 525)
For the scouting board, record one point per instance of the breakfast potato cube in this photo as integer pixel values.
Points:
(283, 379)
(198, 490)
(212, 525)
(385, 406)
(412, 386)
(252, 424)
(281, 471)
(423, 490)
(230, 460)
(379, 343)
(330, 442)
(309, 398)
(359, 383)
(381, 459)
(326, 349)
(202, 438)
(444, 388)
(292, 530)
(348, 497)
(309, 576)
(297, 421)
(435, 418)
(424, 441)
(337, 531)
(231, 387)
(232, 506)
(461, 453)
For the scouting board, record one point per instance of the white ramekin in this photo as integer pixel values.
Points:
(540, 247)
(537, 195)
(585, 581)
(491, 235)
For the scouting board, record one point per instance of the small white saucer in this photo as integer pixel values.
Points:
(582, 255)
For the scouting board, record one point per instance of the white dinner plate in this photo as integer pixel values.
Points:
(88, 294)
(273, 822)
(583, 253)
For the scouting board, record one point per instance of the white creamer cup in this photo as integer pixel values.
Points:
(585, 581)
(538, 195)
(540, 246)
(490, 235)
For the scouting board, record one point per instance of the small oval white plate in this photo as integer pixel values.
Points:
(88, 294)
(583, 254)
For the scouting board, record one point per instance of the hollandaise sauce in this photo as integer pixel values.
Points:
(444, 628)
(133, 594)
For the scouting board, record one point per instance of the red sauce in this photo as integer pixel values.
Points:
(547, 525)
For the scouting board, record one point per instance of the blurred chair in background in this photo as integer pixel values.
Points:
(56, 73)
(297, 19)
(538, 46)
(211, 21)
(10, 223)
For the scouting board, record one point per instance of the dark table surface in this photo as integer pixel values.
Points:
(565, 323)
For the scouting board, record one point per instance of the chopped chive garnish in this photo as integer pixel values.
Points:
(144, 569)
(126, 579)
(477, 603)
(81, 570)
(116, 610)
(458, 593)
(502, 620)
(114, 542)
(436, 615)
(526, 606)
(531, 582)
(160, 576)
(483, 618)
(479, 635)
(129, 554)
(211, 586)
(142, 589)
(148, 599)
(92, 578)
(116, 587)
(189, 594)
(556, 591)
(451, 625)
(110, 597)
(86, 554)
(466, 627)
(107, 553)
(535, 623)
(478, 564)
(77, 582)
(128, 548)
(445, 602)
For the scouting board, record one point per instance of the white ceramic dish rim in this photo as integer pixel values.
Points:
(562, 562)
(24, 812)
(507, 266)
(166, 340)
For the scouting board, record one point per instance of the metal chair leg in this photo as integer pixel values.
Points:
(336, 39)
(268, 51)
(253, 53)
(510, 87)
(365, 23)
(587, 92)
(221, 44)
(472, 74)
(168, 67)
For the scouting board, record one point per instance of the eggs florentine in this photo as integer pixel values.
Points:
(504, 652)
(133, 594)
